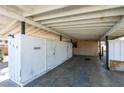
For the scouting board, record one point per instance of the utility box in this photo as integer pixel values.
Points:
(31, 57)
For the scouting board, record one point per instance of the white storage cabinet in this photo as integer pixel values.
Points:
(27, 58)
(31, 57)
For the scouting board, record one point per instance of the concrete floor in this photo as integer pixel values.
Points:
(77, 72)
(3, 71)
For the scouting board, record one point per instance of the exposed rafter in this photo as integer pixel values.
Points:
(88, 28)
(36, 33)
(8, 27)
(100, 14)
(43, 10)
(30, 29)
(33, 31)
(27, 30)
(84, 31)
(81, 22)
(89, 21)
(81, 10)
(88, 25)
(19, 17)
(24, 7)
(115, 28)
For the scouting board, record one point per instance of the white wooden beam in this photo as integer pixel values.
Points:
(19, 17)
(12, 31)
(25, 7)
(100, 14)
(36, 33)
(27, 30)
(8, 27)
(81, 10)
(44, 10)
(89, 21)
(30, 28)
(89, 32)
(33, 31)
(85, 36)
(115, 28)
(40, 33)
(85, 30)
(88, 25)
(79, 28)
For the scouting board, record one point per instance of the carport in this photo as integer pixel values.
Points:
(88, 28)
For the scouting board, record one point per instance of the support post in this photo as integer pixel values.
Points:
(71, 40)
(107, 53)
(100, 49)
(60, 37)
(22, 27)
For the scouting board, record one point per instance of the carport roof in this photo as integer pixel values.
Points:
(87, 22)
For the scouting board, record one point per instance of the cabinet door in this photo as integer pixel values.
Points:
(111, 50)
(33, 57)
(61, 52)
(16, 59)
(69, 49)
(10, 51)
(117, 53)
(51, 50)
(122, 50)
(14, 55)
(13, 59)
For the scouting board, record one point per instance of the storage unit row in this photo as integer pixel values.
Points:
(31, 57)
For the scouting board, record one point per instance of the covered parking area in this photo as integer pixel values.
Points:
(85, 26)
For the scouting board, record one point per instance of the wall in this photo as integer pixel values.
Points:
(4, 49)
(85, 47)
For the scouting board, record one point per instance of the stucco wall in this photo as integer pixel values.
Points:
(4, 50)
(89, 48)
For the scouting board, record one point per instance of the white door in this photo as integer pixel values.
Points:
(13, 59)
(117, 53)
(13, 52)
(33, 57)
(61, 52)
(122, 50)
(10, 50)
(111, 50)
(16, 59)
(51, 52)
(69, 49)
